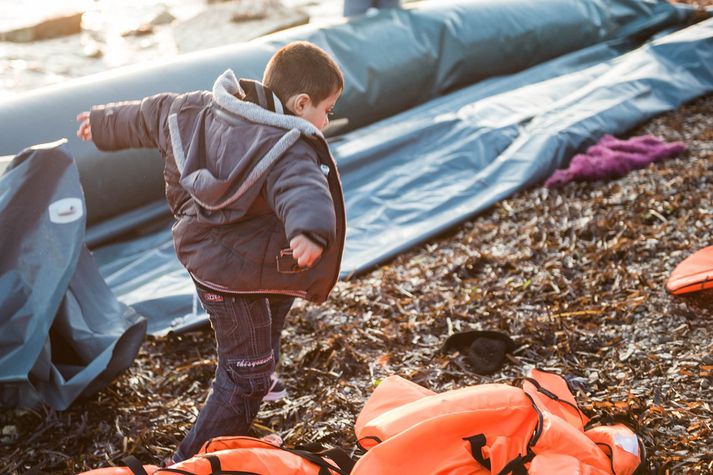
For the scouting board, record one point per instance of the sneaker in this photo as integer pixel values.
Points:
(277, 390)
(273, 439)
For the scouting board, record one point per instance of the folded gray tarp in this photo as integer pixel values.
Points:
(62, 332)
(418, 173)
(392, 61)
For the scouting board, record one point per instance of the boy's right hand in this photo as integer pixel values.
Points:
(85, 128)
(305, 251)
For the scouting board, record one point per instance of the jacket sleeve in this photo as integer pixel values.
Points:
(131, 124)
(298, 192)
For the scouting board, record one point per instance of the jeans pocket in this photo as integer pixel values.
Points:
(251, 375)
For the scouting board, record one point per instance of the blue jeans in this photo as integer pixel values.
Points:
(247, 332)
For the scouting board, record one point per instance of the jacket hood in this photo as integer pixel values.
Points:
(222, 167)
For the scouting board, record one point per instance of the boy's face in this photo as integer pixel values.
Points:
(317, 114)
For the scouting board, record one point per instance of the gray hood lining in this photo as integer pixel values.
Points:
(224, 91)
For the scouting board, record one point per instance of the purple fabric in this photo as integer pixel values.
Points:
(613, 158)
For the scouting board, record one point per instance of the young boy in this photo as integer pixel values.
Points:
(258, 206)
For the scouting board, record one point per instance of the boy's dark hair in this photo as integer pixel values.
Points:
(301, 67)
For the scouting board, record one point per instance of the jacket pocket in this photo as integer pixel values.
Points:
(287, 264)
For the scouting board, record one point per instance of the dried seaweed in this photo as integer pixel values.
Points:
(575, 275)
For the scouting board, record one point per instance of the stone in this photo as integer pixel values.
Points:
(9, 434)
(223, 24)
(142, 30)
(93, 51)
(163, 18)
(52, 27)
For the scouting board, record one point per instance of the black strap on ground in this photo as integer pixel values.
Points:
(136, 467)
(477, 442)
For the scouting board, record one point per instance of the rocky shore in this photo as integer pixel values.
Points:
(53, 46)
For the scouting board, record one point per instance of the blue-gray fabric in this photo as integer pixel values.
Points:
(62, 332)
(422, 171)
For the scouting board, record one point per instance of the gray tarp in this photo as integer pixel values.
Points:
(62, 332)
(414, 175)
(420, 172)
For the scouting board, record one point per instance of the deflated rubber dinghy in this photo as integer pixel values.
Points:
(62, 332)
(419, 170)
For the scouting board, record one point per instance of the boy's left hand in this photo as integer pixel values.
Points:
(305, 251)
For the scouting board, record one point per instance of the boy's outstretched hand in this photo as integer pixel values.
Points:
(85, 128)
(304, 250)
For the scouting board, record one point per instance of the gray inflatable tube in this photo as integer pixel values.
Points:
(392, 61)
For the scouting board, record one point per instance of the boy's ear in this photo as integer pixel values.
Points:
(298, 103)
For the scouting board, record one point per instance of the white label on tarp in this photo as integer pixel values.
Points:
(628, 442)
(66, 210)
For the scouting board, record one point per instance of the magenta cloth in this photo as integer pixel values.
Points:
(613, 158)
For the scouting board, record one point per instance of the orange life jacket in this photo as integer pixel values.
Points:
(489, 428)
(693, 273)
(241, 456)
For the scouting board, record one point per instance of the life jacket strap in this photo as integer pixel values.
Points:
(368, 437)
(477, 442)
(133, 464)
(341, 458)
(517, 465)
(553, 396)
(317, 459)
